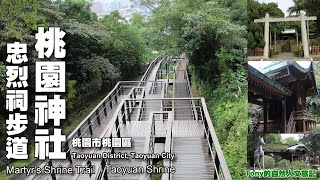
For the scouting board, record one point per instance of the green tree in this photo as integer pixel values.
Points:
(297, 7)
(78, 9)
(311, 141)
(291, 141)
(98, 53)
(313, 103)
(258, 10)
(309, 6)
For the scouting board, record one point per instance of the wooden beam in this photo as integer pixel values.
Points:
(284, 115)
(265, 115)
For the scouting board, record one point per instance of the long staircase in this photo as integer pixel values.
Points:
(192, 163)
(142, 110)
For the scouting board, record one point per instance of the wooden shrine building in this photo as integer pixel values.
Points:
(281, 90)
(297, 152)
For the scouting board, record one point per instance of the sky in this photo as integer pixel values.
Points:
(261, 64)
(296, 136)
(283, 4)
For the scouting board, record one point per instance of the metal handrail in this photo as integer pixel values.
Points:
(101, 173)
(149, 145)
(168, 146)
(113, 125)
(194, 112)
(213, 142)
(113, 120)
(107, 100)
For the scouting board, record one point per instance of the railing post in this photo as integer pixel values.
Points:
(124, 117)
(67, 150)
(104, 172)
(128, 110)
(110, 101)
(210, 143)
(89, 165)
(105, 108)
(116, 98)
(117, 127)
(53, 175)
(135, 97)
(90, 128)
(98, 117)
(217, 163)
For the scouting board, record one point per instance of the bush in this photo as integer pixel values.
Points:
(284, 164)
(296, 53)
(299, 165)
(315, 42)
(269, 162)
(275, 52)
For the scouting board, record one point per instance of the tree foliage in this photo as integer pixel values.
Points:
(212, 36)
(256, 10)
(311, 141)
(291, 141)
(313, 103)
(99, 53)
(311, 7)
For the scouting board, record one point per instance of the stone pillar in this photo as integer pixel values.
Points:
(266, 37)
(304, 36)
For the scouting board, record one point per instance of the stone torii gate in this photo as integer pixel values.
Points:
(303, 18)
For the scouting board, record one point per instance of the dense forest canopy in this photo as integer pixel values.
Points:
(211, 33)
(99, 52)
(256, 10)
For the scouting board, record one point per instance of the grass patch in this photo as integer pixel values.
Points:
(18, 163)
(75, 118)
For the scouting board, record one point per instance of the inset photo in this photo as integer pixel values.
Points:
(283, 96)
(283, 30)
(283, 153)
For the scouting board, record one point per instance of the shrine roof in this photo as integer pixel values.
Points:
(275, 66)
(287, 72)
(298, 147)
(266, 83)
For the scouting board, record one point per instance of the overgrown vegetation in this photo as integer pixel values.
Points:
(256, 10)
(313, 103)
(99, 53)
(269, 162)
(211, 33)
